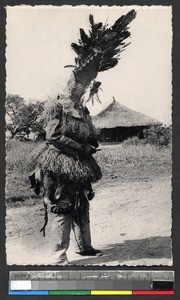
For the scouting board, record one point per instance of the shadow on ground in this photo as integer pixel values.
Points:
(130, 250)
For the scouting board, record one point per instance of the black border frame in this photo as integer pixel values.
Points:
(4, 269)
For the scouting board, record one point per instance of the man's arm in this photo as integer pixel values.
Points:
(55, 137)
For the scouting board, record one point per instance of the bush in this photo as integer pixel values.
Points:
(158, 136)
(135, 141)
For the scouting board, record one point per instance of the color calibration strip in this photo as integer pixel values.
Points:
(91, 282)
(84, 292)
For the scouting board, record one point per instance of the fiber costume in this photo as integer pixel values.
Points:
(65, 165)
(63, 154)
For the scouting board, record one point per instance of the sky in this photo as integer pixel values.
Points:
(38, 47)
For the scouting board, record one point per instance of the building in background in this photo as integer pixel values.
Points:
(117, 123)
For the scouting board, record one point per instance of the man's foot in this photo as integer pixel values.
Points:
(92, 252)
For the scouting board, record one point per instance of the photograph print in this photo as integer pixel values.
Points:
(88, 135)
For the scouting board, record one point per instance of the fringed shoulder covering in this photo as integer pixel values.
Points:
(53, 110)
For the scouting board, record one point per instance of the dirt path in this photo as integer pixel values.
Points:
(130, 223)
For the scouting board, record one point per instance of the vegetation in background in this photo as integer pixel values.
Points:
(23, 116)
(119, 163)
(158, 135)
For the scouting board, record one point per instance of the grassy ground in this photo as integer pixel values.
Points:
(130, 214)
(122, 163)
(17, 183)
(134, 162)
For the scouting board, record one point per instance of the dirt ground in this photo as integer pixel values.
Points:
(130, 224)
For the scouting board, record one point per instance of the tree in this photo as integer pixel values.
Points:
(23, 116)
(30, 116)
(14, 105)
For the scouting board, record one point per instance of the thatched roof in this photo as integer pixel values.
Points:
(118, 115)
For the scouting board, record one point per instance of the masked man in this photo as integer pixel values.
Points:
(65, 165)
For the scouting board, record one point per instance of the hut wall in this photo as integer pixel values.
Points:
(119, 134)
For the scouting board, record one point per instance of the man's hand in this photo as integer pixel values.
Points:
(94, 142)
(88, 149)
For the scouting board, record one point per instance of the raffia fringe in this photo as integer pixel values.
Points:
(78, 170)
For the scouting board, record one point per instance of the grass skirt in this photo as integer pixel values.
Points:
(67, 167)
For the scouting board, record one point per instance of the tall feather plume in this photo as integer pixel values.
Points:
(84, 37)
(97, 51)
(109, 41)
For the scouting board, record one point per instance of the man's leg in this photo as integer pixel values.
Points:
(60, 236)
(81, 226)
(80, 217)
(60, 224)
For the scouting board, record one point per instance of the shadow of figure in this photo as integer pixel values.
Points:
(130, 250)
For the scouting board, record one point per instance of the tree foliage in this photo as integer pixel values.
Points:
(24, 116)
(159, 136)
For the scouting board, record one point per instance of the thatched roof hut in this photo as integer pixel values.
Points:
(117, 122)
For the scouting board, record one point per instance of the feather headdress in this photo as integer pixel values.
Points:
(97, 51)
